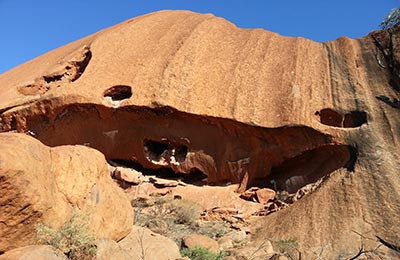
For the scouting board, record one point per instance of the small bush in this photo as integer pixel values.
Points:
(166, 210)
(199, 253)
(185, 211)
(73, 238)
(214, 229)
(287, 247)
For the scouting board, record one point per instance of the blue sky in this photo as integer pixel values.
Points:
(30, 28)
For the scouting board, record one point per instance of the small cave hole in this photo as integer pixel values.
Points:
(331, 117)
(154, 150)
(13, 124)
(118, 93)
(52, 78)
(164, 152)
(180, 153)
(195, 177)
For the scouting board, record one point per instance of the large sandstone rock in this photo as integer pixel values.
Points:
(189, 92)
(142, 243)
(44, 185)
(37, 252)
(197, 240)
(109, 249)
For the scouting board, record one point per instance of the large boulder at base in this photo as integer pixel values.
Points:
(142, 243)
(109, 249)
(197, 240)
(36, 252)
(192, 92)
(45, 185)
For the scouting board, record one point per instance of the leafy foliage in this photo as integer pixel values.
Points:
(199, 253)
(391, 19)
(73, 238)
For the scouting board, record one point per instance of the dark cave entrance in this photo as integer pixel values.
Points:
(331, 117)
(118, 93)
(164, 152)
(311, 166)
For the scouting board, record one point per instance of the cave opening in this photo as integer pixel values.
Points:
(311, 166)
(118, 93)
(331, 117)
(154, 150)
(164, 152)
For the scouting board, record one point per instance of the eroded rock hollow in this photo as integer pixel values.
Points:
(224, 150)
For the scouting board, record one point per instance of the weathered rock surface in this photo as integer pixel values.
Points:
(44, 185)
(197, 240)
(109, 249)
(142, 243)
(37, 252)
(189, 92)
(127, 175)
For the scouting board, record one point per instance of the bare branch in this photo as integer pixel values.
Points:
(389, 245)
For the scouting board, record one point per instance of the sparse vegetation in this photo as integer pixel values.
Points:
(288, 248)
(391, 19)
(175, 218)
(178, 211)
(199, 253)
(213, 229)
(166, 216)
(73, 238)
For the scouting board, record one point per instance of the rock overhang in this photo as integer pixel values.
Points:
(226, 151)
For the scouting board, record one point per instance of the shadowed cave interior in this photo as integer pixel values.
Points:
(331, 117)
(169, 143)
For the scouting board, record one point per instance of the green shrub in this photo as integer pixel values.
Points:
(391, 19)
(199, 253)
(73, 238)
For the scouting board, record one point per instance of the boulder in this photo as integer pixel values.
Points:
(225, 243)
(37, 252)
(197, 240)
(257, 251)
(45, 185)
(142, 243)
(108, 249)
(265, 195)
(128, 175)
(163, 183)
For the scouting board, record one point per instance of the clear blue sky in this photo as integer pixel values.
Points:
(29, 28)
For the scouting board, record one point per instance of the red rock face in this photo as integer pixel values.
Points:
(224, 150)
(193, 92)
